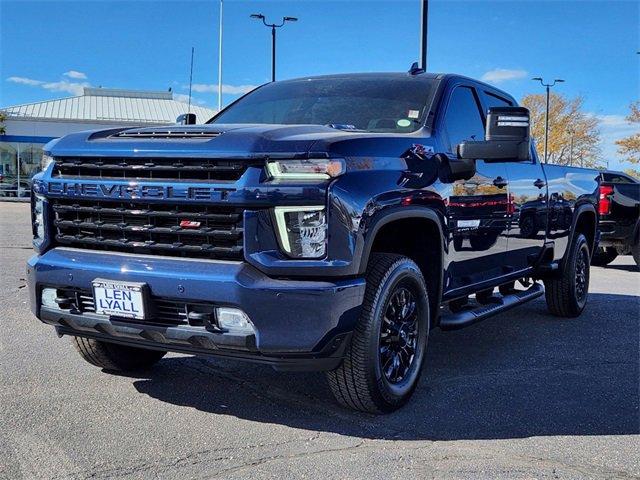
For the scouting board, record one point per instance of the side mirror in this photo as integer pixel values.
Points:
(186, 119)
(507, 137)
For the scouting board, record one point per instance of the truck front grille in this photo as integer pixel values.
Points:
(150, 168)
(202, 231)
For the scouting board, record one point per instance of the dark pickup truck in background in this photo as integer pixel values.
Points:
(619, 218)
(324, 223)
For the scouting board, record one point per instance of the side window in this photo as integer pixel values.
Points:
(462, 119)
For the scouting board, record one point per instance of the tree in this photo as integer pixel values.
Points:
(2, 118)
(574, 136)
(630, 146)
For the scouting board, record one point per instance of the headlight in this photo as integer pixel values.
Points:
(46, 161)
(310, 169)
(38, 219)
(302, 231)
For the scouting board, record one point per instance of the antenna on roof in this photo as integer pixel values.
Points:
(415, 69)
(191, 79)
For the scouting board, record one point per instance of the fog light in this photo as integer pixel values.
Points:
(49, 297)
(234, 320)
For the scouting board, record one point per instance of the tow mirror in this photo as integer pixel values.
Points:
(186, 119)
(507, 137)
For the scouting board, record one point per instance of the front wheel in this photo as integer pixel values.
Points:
(383, 362)
(113, 357)
(567, 294)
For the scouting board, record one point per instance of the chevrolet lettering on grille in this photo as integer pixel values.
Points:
(135, 190)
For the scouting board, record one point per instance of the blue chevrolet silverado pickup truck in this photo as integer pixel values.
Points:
(322, 223)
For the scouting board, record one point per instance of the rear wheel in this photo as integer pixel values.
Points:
(567, 294)
(528, 226)
(604, 256)
(111, 356)
(635, 251)
(383, 362)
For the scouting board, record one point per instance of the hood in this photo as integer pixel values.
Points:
(215, 140)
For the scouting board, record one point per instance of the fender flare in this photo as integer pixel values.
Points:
(578, 212)
(392, 214)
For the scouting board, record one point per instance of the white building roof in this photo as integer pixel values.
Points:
(105, 105)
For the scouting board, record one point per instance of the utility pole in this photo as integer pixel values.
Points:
(546, 120)
(220, 61)
(273, 27)
(424, 27)
(191, 78)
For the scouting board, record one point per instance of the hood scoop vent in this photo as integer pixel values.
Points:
(167, 133)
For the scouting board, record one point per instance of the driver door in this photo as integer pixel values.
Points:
(477, 208)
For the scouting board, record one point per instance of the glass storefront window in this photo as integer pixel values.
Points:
(18, 163)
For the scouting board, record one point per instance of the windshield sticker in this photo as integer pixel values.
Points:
(403, 122)
(413, 113)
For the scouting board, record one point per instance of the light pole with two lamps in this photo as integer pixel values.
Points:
(546, 126)
(273, 27)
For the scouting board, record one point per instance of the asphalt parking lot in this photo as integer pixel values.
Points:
(521, 395)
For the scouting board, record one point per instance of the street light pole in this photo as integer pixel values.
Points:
(273, 27)
(220, 61)
(546, 122)
(424, 16)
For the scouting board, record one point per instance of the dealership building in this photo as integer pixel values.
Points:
(30, 126)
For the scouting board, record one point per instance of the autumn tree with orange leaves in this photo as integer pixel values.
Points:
(574, 135)
(629, 147)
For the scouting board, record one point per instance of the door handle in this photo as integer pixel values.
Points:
(539, 183)
(500, 182)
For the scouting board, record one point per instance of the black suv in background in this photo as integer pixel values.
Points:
(619, 218)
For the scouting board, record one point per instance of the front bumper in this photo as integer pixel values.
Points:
(299, 324)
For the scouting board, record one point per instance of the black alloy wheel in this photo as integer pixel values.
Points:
(399, 334)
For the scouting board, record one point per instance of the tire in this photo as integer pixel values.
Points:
(604, 256)
(567, 294)
(507, 288)
(117, 358)
(483, 242)
(484, 297)
(528, 226)
(362, 382)
(635, 251)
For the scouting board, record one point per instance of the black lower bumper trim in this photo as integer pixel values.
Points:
(192, 340)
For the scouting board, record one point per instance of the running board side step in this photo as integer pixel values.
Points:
(455, 321)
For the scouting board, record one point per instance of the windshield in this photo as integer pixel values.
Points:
(372, 104)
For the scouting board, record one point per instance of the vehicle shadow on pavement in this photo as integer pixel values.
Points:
(520, 374)
(626, 268)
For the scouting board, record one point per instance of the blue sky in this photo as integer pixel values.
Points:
(50, 49)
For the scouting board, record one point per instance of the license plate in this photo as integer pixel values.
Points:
(119, 299)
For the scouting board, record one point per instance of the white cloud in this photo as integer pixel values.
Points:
(25, 81)
(500, 75)
(229, 89)
(75, 88)
(612, 128)
(181, 97)
(75, 74)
